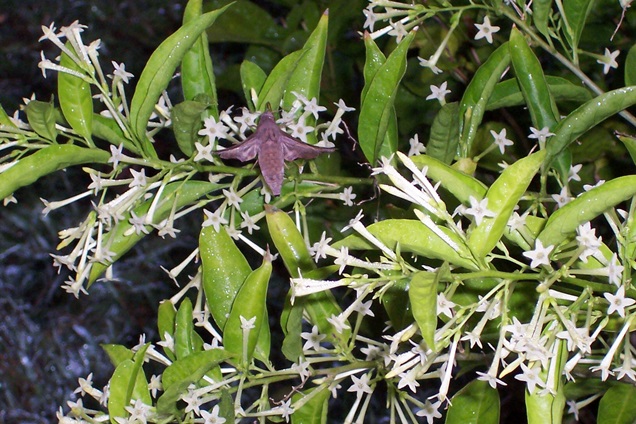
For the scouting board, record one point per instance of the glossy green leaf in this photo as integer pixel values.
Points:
(503, 196)
(476, 403)
(305, 79)
(376, 111)
(314, 406)
(5, 120)
(374, 59)
(246, 23)
(473, 103)
(395, 301)
(588, 116)
(289, 242)
(297, 259)
(45, 161)
(460, 185)
(576, 13)
(413, 237)
(630, 66)
(224, 269)
(117, 353)
(226, 406)
(526, 237)
(291, 321)
(123, 237)
(41, 117)
(167, 402)
(275, 85)
(197, 74)
(107, 129)
(508, 94)
(444, 138)
(618, 405)
(74, 95)
(181, 370)
(250, 304)
(541, 105)
(423, 297)
(587, 206)
(165, 323)
(630, 144)
(120, 389)
(183, 329)
(545, 408)
(252, 79)
(160, 69)
(186, 123)
(128, 382)
(541, 10)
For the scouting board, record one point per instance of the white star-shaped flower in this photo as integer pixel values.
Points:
(486, 30)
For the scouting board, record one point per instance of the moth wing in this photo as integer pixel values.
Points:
(247, 150)
(272, 165)
(294, 149)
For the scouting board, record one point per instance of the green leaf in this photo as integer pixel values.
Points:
(630, 144)
(224, 270)
(545, 408)
(128, 382)
(197, 73)
(540, 15)
(395, 301)
(588, 116)
(444, 138)
(473, 103)
(117, 353)
(423, 297)
(503, 195)
(75, 97)
(576, 13)
(186, 123)
(476, 403)
(121, 238)
(459, 184)
(250, 304)
(618, 405)
(305, 79)
(311, 406)
(45, 161)
(245, 23)
(630, 66)
(252, 79)
(183, 330)
(587, 206)
(226, 406)
(41, 117)
(165, 323)
(5, 120)
(414, 237)
(159, 71)
(276, 83)
(508, 93)
(181, 370)
(291, 322)
(107, 129)
(167, 403)
(376, 110)
(529, 73)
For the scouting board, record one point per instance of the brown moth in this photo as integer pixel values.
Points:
(273, 147)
